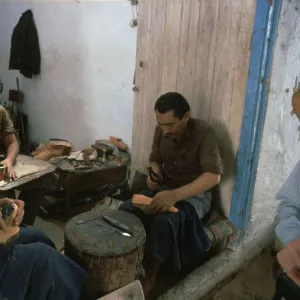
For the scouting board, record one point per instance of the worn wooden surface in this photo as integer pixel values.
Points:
(17, 183)
(200, 49)
(111, 260)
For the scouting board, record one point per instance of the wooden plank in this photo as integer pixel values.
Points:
(171, 43)
(143, 41)
(149, 62)
(188, 48)
(241, 72)
(154, 80)
(226, 46)
(225, 66)
(237, 99)
(205, 59)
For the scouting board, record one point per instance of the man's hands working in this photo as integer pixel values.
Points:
(289, 259)
(20, 213)
(9, 169)
(162, 201)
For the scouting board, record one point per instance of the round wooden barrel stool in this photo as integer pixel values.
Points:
(111, 259)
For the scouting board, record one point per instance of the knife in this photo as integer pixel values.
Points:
(113, 229)
(88, 220)
(117, 224)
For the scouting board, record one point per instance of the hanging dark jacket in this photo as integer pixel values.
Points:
(25, 51)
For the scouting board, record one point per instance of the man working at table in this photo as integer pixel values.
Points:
(11, 147)
(185, 155)
(9, 141)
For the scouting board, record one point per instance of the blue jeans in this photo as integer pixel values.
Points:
(29, 235)
(32, 269)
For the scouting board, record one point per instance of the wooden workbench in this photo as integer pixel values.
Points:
(46, 168)
(80, 179)
(31, 187)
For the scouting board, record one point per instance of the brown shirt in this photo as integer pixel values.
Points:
(197, 153)
(6, 125)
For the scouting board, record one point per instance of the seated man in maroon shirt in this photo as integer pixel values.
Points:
(185, 155)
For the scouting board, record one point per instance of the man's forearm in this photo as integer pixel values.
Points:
(202, 184)
(12, 151)
(156, 167)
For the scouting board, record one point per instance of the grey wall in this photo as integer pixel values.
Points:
(88, 52)
(280, 148)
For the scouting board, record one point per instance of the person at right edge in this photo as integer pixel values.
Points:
(185, 155)
(288, 227)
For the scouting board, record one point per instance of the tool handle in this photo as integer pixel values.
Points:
(117, 224)
(154, 176)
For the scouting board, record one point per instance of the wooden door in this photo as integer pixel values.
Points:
(201, 49)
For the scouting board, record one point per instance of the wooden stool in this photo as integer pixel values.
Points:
(111, 260)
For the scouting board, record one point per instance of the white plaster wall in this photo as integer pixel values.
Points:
(88, 52)
(280, 148)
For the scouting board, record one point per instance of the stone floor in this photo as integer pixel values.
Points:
(254, 283)
(55, 230)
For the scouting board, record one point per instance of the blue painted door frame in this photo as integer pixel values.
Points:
(262, 44)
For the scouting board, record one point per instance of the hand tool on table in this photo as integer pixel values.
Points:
(113, 229)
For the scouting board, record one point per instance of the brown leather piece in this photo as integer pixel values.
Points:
(53, 149)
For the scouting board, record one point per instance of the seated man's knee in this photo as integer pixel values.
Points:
(163, 219)
(30, 235)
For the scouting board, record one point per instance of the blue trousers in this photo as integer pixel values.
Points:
(32, 269)
(176, 239)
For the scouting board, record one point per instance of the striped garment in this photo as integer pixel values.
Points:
(288, 228)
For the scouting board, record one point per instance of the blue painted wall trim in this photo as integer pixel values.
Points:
(262, 44)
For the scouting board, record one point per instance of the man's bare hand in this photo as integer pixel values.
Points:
(20, 213)
(289, 259)
(162, 201)
(9, 169)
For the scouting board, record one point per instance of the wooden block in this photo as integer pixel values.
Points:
(142, 201)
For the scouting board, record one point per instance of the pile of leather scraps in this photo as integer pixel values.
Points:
(102, 152)
(52, 149)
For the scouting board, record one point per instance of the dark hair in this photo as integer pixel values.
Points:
(172, 101)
